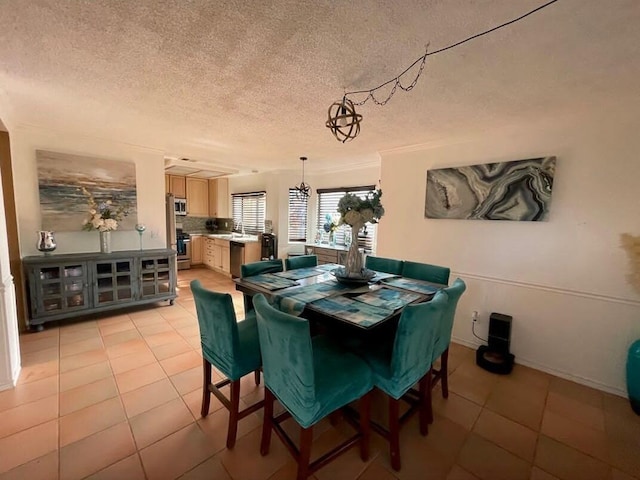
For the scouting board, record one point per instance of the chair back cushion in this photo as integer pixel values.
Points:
(301, 261)
(287, 358)
(381, 264)
(218, 327)
(443, 339)
(256, 268)
(413, 345)
(426, 272)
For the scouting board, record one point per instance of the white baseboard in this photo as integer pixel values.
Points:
(543, 368)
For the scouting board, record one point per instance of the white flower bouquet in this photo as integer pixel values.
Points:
(103, 216)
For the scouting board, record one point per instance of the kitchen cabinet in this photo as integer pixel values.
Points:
(177, 185)
(328, 255)
(219, 198)
(197, 197)
(197, 249)
(226, 258)
(208, 254)
(71, 285)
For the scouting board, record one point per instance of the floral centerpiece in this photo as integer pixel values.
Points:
(104, 217)
(355, 212)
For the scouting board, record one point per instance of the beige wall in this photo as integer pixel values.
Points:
(149, 182)
(563, 280)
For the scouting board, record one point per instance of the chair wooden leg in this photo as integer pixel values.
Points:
(394, 432)
(424, 412)
(306, 437)
(256, 376)
(444, 372)
(206, 381)
(365, 426)
(233, 413)
(267, 423)
(334, 418)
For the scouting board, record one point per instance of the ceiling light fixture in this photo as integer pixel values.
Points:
(343, 120)
(303, 191)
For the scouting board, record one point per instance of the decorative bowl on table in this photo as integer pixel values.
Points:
(353, 278)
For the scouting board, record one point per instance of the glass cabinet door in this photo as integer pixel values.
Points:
(62, 288)
(155, 276)
(113, 281)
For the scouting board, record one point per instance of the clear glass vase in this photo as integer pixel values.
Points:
(105, 242)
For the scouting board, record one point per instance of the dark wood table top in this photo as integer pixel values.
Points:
(313, 312)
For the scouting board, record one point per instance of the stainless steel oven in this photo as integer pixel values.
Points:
(183, 249)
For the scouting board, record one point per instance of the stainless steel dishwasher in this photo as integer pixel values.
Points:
(237, 257)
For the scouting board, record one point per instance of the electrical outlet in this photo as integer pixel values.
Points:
(474, 317)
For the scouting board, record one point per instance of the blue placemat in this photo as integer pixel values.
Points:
(269, 281)
(350, 310)
(411, 285)
(294, 301)
(300, 273)
(388, 298)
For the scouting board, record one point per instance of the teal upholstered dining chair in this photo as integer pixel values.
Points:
(397, 367)
(381, 264)
(311, 378)
(426, 272)
(301, 261)
(232, 347)
(257, 268)
(443, 339)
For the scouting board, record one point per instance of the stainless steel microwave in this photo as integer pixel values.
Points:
(180, 206)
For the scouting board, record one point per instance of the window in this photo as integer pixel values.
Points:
(249, 211)
(297, 217)
(328, 205)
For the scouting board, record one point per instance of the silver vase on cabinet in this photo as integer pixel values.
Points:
(46, 241)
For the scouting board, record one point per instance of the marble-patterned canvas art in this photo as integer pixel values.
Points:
(516, 190)
(61, 177)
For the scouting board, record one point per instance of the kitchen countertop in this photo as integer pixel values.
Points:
(235, 237)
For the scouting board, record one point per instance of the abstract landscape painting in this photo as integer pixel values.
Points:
(61, 177)
(516, 190)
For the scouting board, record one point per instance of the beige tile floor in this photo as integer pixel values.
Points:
(118, 397)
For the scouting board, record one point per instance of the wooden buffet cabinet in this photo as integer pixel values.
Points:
(72, 285)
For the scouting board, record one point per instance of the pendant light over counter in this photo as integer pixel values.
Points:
(303, 191)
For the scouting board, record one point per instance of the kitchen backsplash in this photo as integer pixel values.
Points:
(192, 224)
(198, 224)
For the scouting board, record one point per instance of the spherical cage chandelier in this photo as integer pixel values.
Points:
(343, 120)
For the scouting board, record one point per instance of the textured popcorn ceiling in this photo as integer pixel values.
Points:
(248, 84)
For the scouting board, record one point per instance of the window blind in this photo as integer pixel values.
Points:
(328, 205)
(297, 217)
(249, 211)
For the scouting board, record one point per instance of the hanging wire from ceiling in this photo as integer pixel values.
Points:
(347, 117)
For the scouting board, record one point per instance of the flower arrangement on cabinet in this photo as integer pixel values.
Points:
(356, 211)
(330, 225)
(103, 216)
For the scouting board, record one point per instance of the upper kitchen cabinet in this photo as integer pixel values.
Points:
(177, 185)
(197, 197)
(219, 197)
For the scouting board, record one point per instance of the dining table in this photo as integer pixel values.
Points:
(316, 294)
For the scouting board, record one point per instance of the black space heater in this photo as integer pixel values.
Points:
(495, 357)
